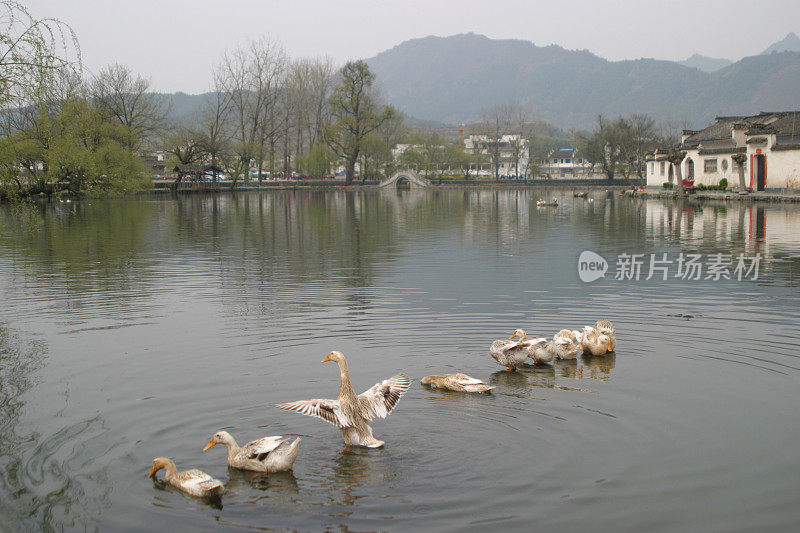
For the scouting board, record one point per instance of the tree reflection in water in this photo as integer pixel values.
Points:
(46, 481)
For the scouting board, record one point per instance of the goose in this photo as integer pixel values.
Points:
(512, 354)
(565, 345)
(456, 382)
(545, 203)
(349, 412)
(607, 328)
(267, 454)
(543, 352)
(193, 482)
(594, 342)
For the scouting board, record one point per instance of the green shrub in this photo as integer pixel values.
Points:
(667, 185)
(723, 184)
(701, 187)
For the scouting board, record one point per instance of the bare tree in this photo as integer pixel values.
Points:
(121, 95)
(740, 160)
(676, 159)
(252, 76)
(495, 121)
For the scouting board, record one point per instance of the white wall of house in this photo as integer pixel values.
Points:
(657, 171)
(710, 169)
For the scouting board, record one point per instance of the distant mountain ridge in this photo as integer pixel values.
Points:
(451, 79)
(790, 43)
(705, 63)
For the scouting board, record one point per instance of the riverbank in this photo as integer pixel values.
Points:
(163, 186)
(761, 196)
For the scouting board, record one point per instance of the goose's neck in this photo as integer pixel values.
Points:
(170, 470)
(233, 447)
(345, 385)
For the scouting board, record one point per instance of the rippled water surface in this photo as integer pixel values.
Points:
(137, 328)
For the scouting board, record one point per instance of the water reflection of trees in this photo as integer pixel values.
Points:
(44, 484)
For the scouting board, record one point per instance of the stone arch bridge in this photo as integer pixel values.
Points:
(405, 178)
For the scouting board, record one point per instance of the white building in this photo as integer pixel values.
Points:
(513, 150)
(566, 162)
(771, 142)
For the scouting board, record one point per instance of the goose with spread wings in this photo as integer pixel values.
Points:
(349, 412)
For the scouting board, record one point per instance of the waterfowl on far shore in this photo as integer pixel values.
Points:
(545, 203)
(456, 382)
(193, 482)
(267, 454)
(350, 412)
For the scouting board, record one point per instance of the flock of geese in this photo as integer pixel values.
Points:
(351, 412)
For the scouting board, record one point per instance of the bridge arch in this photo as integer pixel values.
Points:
(403, 177)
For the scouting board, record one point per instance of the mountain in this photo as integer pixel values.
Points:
(790, 43)
(452, 79)
(705, 63)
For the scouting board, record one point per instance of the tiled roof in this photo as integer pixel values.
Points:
(713, 151)
(563, 153)
(782, 123)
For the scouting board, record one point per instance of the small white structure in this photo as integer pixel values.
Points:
(771, 142)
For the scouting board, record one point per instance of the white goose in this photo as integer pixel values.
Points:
(510, 353)
(350, 412)
(193, 482)
(267, 454)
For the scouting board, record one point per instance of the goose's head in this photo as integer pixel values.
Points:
(220, 437)
(427, 380)
(159, 463)
(518, 333)
(605, 341)
(335, 356)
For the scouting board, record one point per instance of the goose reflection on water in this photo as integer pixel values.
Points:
(593, 367)
(277, 487)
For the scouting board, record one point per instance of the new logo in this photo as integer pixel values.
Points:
(591, 266)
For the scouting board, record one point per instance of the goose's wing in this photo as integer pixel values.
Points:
(327, 410)
(197, 479)
(464, 380)
(380, 399)
(259, 449)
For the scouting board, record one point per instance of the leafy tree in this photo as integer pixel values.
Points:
(77, 150)
(354, 114)
(31, 51)
(375, 155)
(317, 162)
(89, 155)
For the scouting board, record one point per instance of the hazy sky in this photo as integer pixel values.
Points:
(176, 42)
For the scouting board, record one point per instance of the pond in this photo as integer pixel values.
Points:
(131, 329)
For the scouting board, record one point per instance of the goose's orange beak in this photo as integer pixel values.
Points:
(512, 336)
(327, 358)
(608, 347)
(210, 445)
(152, 472)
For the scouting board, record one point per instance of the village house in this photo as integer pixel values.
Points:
(513, 151)
(565, 163)
(770, 141)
